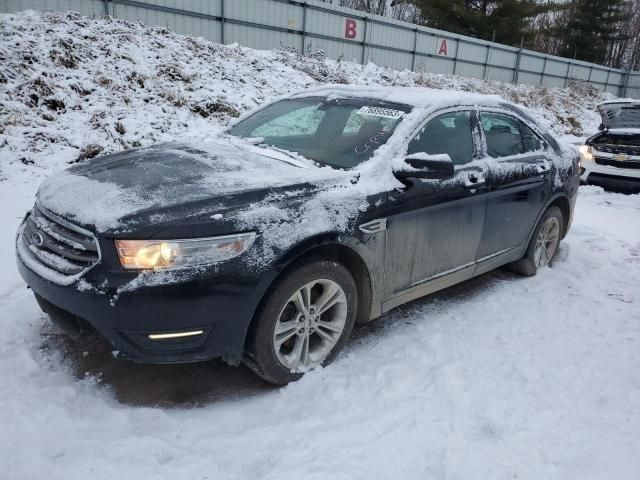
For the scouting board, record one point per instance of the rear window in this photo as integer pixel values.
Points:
(507, 136)
(503, 135)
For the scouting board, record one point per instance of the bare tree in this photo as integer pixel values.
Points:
(624, 52)
(406, 11)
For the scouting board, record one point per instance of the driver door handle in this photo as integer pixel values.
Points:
(543, 167)
(474, 181)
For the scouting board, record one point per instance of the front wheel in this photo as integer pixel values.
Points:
(304, 322)
(543, 245)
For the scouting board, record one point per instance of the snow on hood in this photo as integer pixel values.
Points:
(103, 193)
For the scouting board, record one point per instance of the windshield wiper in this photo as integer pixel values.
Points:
(293, 156)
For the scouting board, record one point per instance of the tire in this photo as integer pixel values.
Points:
(548, 232)
(310, 332)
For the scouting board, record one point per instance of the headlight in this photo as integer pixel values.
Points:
(173, 254)
(586, 152)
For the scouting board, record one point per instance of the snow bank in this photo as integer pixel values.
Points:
(75, 87)
(499, 378)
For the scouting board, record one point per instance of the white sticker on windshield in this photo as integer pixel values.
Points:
(380, 112)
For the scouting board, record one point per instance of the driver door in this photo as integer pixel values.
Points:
(435, 226)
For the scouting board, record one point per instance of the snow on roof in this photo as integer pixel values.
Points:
(420, 97)
(619, 100)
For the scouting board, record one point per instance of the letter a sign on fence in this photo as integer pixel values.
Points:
(442, 48)
(350, 28)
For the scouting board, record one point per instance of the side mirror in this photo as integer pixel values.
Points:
(601, 127)
(427, 166)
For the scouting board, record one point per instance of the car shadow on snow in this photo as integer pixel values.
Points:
(412, 312)
(167, 386)
(198, 384)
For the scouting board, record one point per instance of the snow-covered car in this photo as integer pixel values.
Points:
(269, 241)
(611, 157)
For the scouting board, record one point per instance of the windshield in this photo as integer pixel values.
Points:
(341, 132)
(620, 115)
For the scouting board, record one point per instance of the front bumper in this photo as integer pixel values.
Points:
(610, 177)
(219, 304)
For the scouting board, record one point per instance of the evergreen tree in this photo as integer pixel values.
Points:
(511, 20)
(593, 27)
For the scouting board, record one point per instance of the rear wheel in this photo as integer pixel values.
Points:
(543, 245)
(305, 321)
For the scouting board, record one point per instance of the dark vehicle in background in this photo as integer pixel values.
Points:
(314, 213)
(611, 158)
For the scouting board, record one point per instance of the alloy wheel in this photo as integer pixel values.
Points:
(547, 242)
(310, 324)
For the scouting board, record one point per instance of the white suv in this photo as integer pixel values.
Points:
(611, 158)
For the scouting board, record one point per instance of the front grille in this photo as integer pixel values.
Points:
(609, 162)
(59, 245)
(633, 150)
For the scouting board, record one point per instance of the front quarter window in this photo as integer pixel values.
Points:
(340, 132)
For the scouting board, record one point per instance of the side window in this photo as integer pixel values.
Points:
(502, 133)
(303, 121)
(448, 133)
(530, 140)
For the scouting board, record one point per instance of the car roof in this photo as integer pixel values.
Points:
(620, 100)
(417, 97)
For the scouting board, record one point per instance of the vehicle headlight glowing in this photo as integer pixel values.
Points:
(175, 254)
(586, 152)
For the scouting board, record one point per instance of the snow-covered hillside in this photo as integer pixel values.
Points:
(499, 378)
(74, 87)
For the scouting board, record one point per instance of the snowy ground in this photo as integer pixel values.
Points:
(498, 378)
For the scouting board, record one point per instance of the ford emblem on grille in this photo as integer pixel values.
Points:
(621, 157)
(37, 239)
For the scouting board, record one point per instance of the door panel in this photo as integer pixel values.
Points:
(436, 232)
(434, 227)
(518, 182)
(513, 205)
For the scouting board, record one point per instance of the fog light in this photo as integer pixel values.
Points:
(168, 336)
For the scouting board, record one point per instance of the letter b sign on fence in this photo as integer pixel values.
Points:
(350, 28)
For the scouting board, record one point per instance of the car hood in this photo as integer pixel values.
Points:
(158, 185)
(621, 117)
